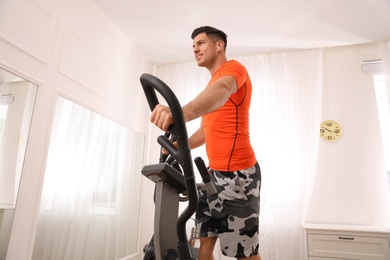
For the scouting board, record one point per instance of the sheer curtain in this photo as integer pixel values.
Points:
(386, 63)
(90, 200)
(285, 116)
(385, 133)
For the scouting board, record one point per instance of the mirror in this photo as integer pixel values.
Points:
(17, 97)
(92, 187)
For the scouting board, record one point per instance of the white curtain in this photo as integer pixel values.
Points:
(386, 62)
(385, 115)
(285, 116)
(90, 200)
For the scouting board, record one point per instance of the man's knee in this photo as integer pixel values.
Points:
(253, 257)
(206, 249)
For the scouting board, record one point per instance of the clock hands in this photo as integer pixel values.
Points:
(335, 131)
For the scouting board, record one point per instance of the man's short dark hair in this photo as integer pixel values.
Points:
(210, 31)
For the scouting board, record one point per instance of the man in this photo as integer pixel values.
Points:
(232, 215)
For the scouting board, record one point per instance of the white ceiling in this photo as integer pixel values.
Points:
(161, 30)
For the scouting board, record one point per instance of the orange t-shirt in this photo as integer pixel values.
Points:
(227, 129)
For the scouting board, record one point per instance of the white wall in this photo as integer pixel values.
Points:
(67, 47)
(350, 184)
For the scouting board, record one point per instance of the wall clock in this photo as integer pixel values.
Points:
(330, 131)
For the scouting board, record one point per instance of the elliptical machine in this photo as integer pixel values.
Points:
(175, 181)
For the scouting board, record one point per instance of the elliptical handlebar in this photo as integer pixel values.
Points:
(150, 84)
(181, 154)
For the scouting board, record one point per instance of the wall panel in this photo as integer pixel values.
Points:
(81, 63)
(27, 26)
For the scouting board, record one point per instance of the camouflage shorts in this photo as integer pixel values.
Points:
(232, 214)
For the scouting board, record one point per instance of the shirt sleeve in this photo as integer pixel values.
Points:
(236, 70)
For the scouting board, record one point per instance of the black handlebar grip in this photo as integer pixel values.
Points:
(202, 170)
(168, 145)
(205, 176)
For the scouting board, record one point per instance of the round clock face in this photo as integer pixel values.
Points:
(330, 131)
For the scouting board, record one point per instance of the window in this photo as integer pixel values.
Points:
(384, 117)
(3, 116)
(91, 192)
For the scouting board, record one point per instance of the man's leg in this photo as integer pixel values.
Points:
(240, 227)
(207, 248)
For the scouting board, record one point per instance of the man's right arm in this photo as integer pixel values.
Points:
(211, 98)
(197, 139)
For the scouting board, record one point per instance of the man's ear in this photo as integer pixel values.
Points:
(219, 45)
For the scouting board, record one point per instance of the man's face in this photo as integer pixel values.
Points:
(204, 50)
